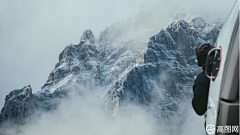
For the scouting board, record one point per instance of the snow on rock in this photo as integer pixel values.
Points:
(159, 73)
(19, 104)
(163, 74)
(87, 36)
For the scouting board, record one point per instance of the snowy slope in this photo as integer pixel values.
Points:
(157, 73)
(162, 77)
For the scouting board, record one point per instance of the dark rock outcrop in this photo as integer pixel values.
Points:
(19, 105)
(163, 74)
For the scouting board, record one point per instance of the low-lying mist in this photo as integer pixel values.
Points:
(88, 115)
(35, 32)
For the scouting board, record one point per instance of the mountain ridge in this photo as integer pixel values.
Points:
(126, 74)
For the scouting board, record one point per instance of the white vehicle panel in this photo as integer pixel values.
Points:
(224, 40)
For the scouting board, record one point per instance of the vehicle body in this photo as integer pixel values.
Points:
(223, 100)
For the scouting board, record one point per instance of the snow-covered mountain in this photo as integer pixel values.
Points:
(158, 75)
(162, 77)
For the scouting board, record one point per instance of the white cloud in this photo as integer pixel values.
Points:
(33, 33)
(86, 115)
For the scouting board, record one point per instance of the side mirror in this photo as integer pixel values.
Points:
(216, 62)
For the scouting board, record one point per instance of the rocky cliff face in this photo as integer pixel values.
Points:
(19, 104)
(161, 75)
(164, 73)
(77, 64)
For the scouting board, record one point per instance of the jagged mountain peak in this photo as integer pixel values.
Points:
(25, 91)
(168, 65)
(198, 22)
(183, 36)
(176, 24)
(87, 36)
(169, 55)
(18, 105)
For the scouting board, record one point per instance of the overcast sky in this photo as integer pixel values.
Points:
(33, 33)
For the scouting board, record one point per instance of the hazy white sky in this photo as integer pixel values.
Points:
(33, 33)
